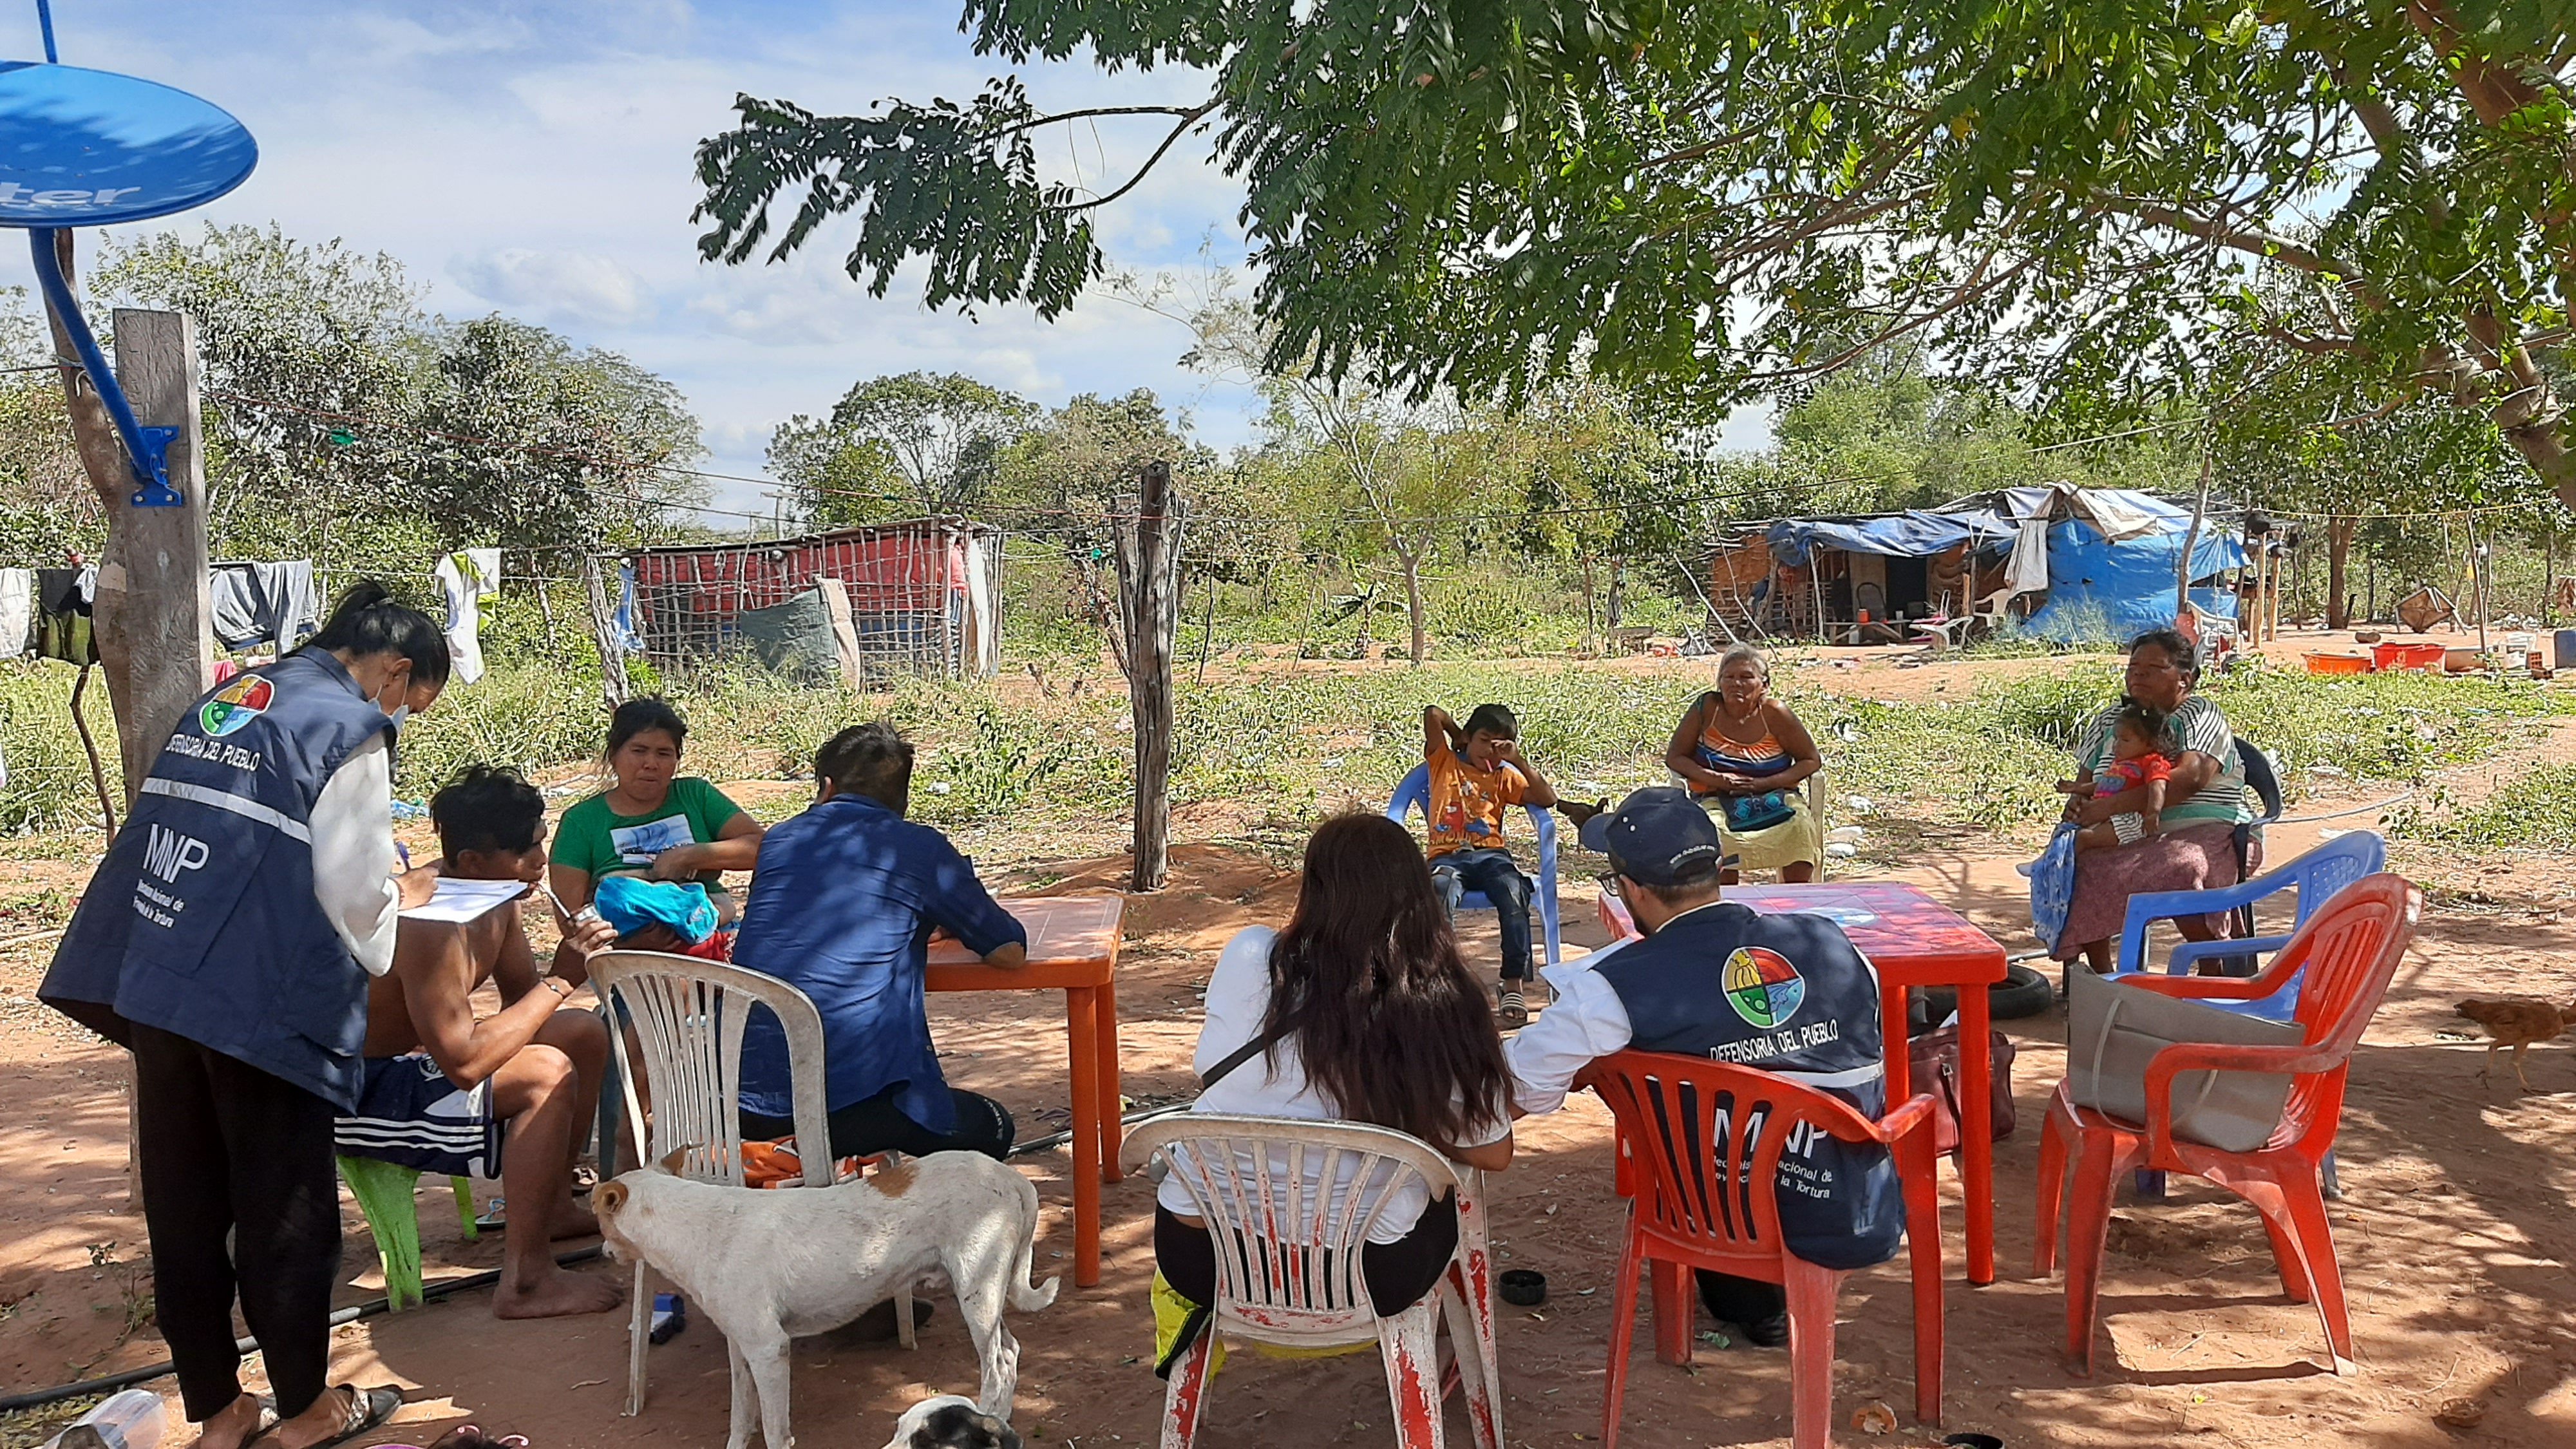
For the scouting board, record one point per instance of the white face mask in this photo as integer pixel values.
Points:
(401, 712)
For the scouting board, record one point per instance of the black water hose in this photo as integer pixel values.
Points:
(432, 1292)
(429, 1293)
(1054, 1140)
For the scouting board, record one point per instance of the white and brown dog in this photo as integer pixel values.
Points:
(770, 1266)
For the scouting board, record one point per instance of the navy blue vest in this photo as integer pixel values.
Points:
(1787, 994)
(201, 921)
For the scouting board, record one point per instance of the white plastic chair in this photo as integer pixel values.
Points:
(688, 1016)
(1288, 1258)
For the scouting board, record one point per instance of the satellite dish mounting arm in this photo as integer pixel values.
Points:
(146, 449)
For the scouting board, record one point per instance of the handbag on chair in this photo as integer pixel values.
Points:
(2114, 1031)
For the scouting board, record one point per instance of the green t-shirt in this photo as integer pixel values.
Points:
(602, 842)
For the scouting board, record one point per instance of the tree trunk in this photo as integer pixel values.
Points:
(2339, 533)
(1411, 562)
(2191, 540)
(1149, 554)
(1611, 602)
(1591, 640)
(1086, 572)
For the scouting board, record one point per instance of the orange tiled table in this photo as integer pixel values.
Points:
(1913, 940)
(1073, 948)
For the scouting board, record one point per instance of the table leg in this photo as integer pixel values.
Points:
(1082, 1042)
(1977, 1130)
(1112, 1131)
(1893, 1044)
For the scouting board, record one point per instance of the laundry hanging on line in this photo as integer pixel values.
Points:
(627, 640)
(466, 577)
(17, 612)
(263, 603)
(63, 601)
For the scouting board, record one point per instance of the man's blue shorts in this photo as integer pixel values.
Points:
(411, 1115)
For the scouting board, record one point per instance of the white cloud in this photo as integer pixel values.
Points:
(556, 286)
(535, 156)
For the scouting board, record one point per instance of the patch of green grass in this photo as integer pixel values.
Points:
(1292, 746)
(2534, 810)
(48, 783)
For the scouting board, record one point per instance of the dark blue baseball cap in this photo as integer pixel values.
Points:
(1655, 836)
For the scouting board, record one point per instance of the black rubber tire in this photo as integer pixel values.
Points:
(2022, 992)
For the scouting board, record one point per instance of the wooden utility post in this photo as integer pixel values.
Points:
(152, 614)
(1149, 596)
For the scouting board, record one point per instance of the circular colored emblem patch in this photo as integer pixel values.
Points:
(235, 705)
(1762, 986)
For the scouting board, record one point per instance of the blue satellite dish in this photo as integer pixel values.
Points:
(93, 148)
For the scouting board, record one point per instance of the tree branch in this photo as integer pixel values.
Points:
(1188, 117)
(1093, 113)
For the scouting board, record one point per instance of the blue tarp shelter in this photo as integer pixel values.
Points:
(2102, 589)
(1914, 533)
(2105, 558)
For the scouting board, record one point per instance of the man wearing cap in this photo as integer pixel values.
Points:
(1784, 993)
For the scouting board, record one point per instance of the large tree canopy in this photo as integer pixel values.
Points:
(1707, 201)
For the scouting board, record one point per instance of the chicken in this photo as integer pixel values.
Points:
(2516, 1022)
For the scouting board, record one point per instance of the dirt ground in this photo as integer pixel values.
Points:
(2456, 1236)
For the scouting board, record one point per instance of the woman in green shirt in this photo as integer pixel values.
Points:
(649, 823)
(2205, 800)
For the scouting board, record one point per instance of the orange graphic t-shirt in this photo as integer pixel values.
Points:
(1467, 803)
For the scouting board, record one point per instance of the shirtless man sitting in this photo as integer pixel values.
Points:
(446, 1093)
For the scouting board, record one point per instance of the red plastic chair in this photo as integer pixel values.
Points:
(2349, 949)
(1698, 1209)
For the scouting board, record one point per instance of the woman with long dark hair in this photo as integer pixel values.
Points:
(228, 938)
(1365, 1013)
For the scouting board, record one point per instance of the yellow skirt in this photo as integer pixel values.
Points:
(1794, 840)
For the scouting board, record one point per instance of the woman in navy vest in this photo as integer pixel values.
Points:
(228, 938)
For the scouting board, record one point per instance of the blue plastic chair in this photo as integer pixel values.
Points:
(2316, 876)
(1414, 794)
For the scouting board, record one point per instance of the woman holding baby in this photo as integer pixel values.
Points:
(2192, 846)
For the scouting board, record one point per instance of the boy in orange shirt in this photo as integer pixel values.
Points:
(1477, 772)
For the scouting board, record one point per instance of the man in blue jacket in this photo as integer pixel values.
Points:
(843, 900)
(1785, 993)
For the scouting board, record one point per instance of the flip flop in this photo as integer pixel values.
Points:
(368, 1410)
(84, 1436)
(1512, 1011)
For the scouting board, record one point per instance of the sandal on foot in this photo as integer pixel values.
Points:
(368, 1409)
(84, 1436)
(1513, 1011)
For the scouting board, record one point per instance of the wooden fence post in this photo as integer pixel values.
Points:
(1149, 558)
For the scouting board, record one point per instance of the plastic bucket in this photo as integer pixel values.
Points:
(2407, 656)
(2337, 663)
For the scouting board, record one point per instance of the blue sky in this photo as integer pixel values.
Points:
(534, 159)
